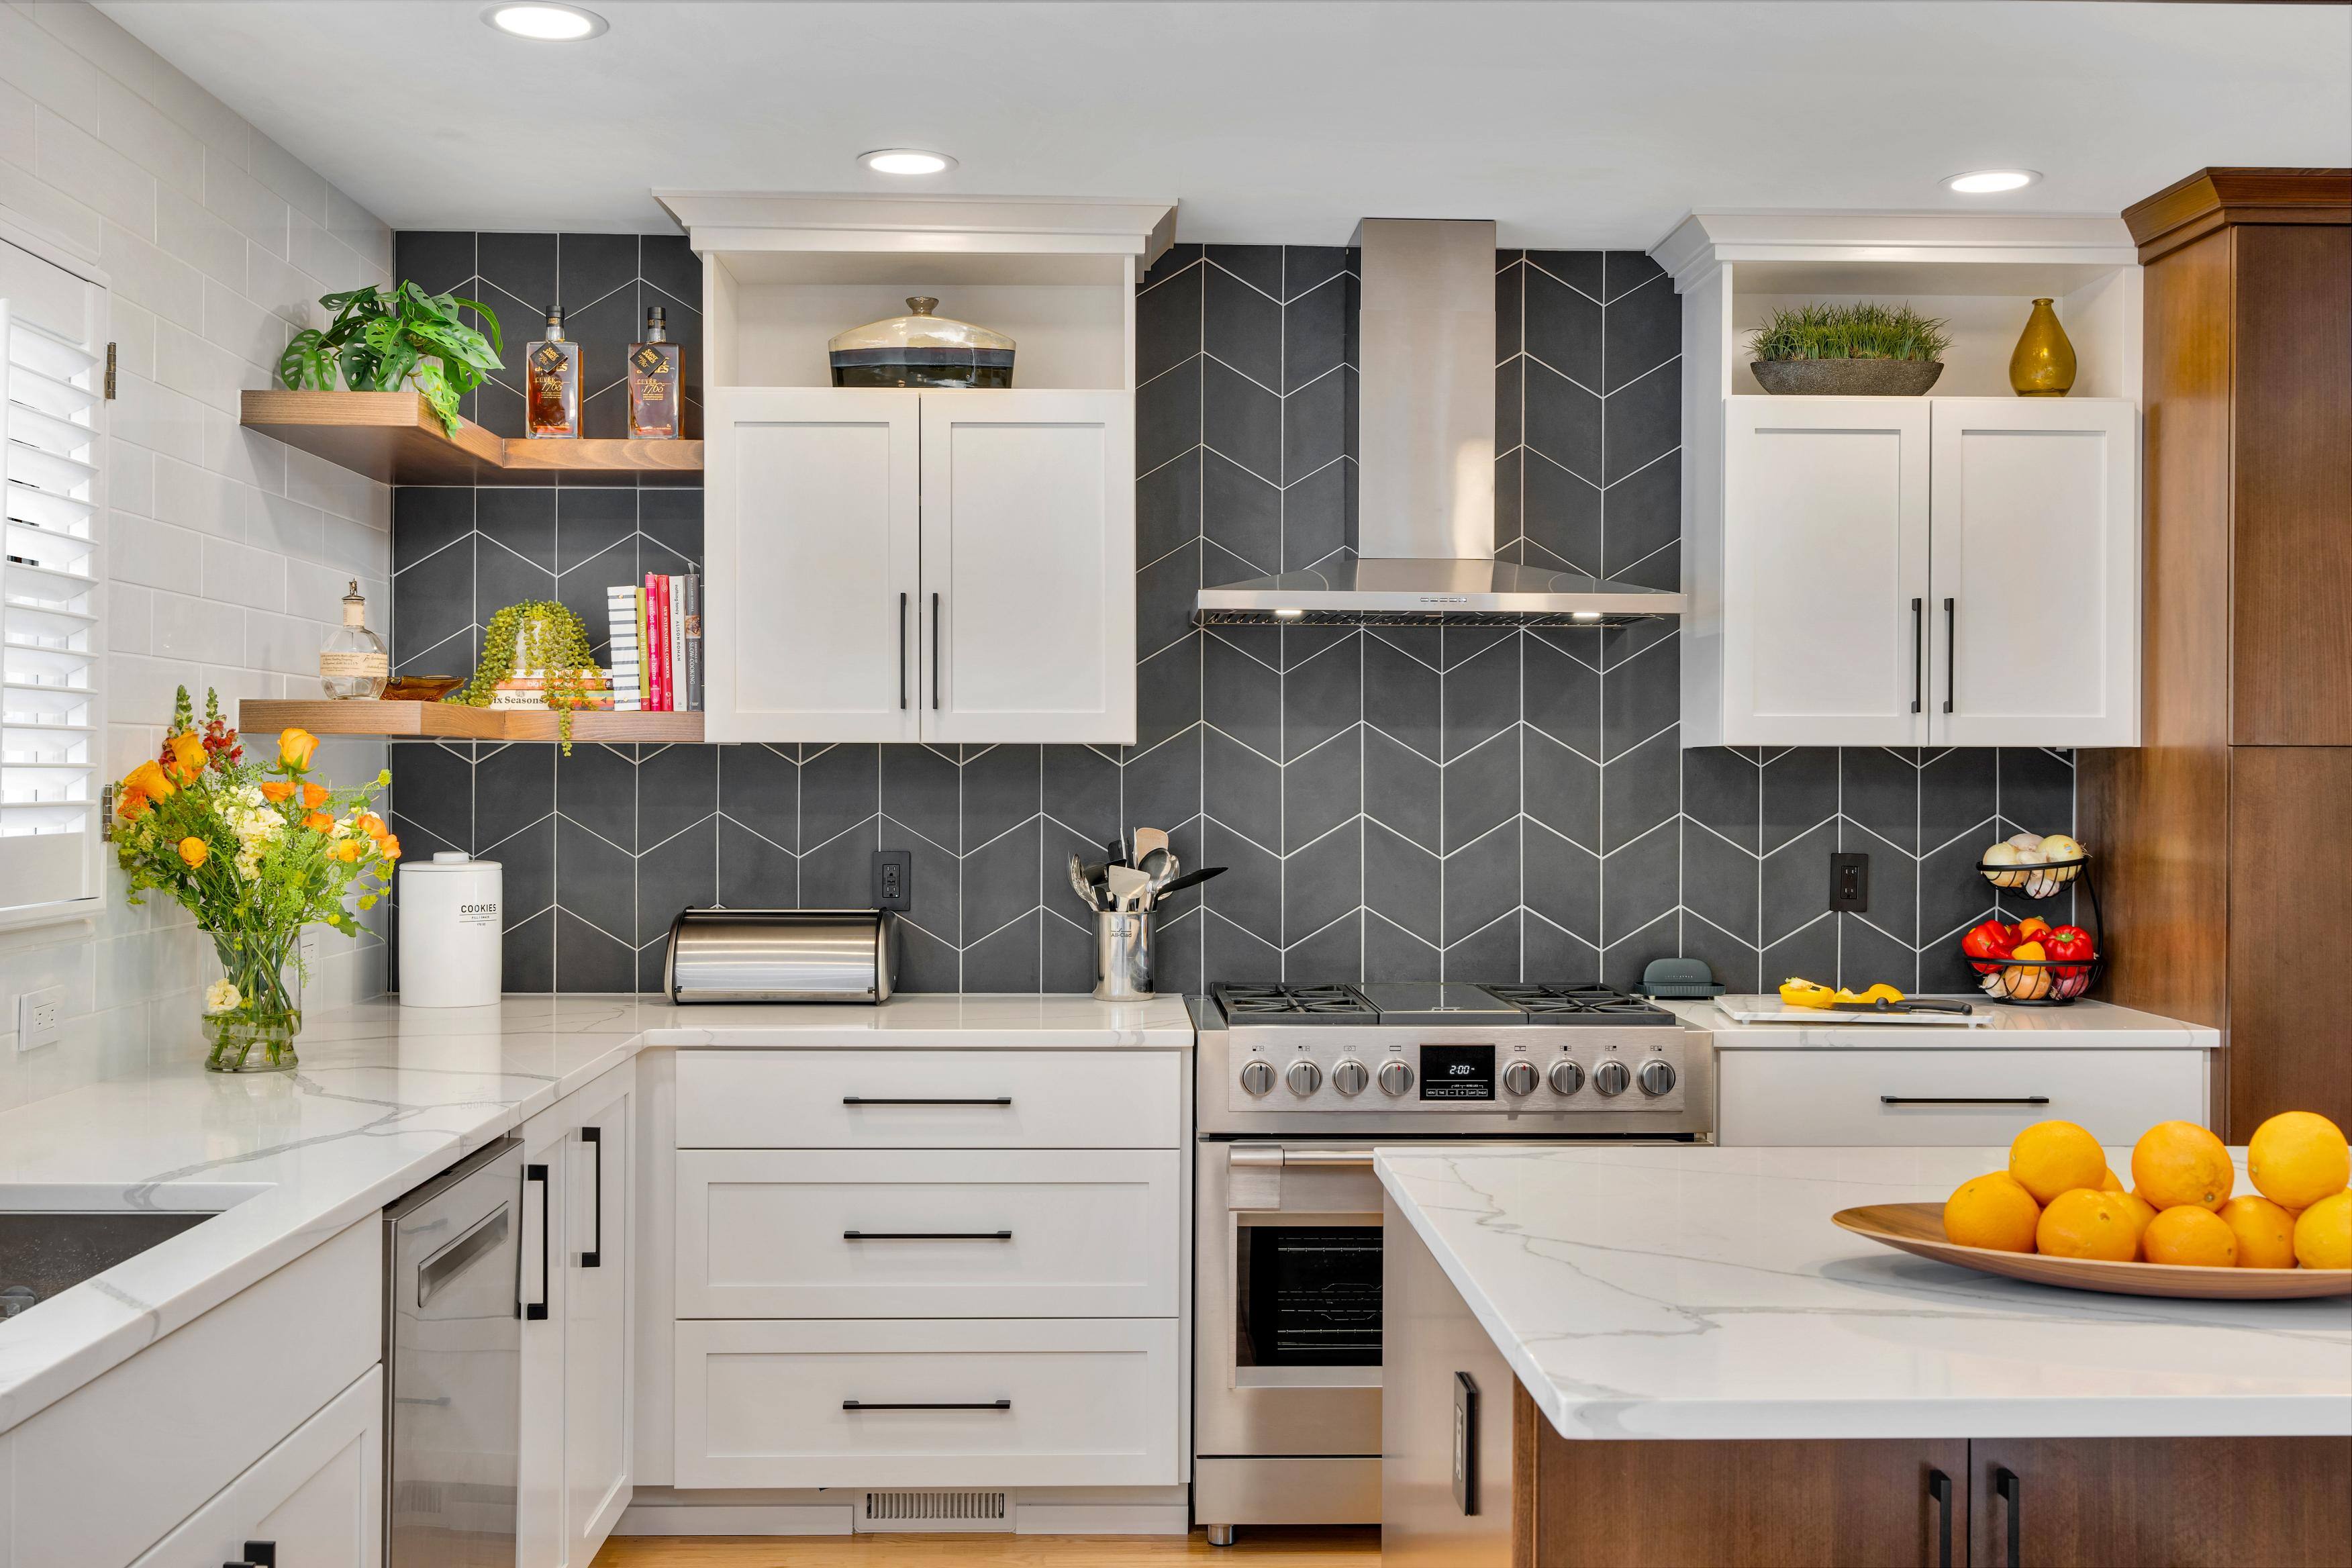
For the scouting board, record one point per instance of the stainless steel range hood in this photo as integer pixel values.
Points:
(1425, 519)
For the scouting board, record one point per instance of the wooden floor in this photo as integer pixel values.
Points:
(1261, 1548)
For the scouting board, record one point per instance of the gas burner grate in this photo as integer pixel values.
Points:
(1293, 1004)
(1579, 1001)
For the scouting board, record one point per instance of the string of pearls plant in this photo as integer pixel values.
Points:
(538, 636)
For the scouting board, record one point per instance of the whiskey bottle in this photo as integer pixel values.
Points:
(352, 662)
(551, 384)
(653, 381)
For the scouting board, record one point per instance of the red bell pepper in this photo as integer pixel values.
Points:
(1991, 939)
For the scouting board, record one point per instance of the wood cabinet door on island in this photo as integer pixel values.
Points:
(2187, 1502)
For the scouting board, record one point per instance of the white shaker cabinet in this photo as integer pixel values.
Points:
(949, 566)
(1915, 571)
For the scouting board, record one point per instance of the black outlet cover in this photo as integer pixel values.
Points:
(1849, 882)
(894, 878)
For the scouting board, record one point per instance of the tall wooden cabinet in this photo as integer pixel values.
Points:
(899, 565)
(2226, 840)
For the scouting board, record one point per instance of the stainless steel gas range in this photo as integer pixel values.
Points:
(1295, 1085)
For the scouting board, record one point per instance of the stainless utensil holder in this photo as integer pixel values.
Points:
(1123, 955)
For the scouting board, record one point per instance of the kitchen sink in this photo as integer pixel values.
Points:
(42, 1254)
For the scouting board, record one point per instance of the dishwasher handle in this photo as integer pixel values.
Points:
(445, 1264)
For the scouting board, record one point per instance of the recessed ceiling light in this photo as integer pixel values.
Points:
(905, 161)
(544, 21)
(1990, 182)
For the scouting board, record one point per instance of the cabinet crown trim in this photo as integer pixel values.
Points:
(2212, 198)
(756, 220)
(1705, 240)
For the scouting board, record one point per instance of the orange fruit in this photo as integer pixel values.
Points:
(2178, 1163)
(1992, 1211)
(2110, 1182)
(2087, 1224)
(2323, 1233)
(2265, 1232)
(2141, 1214)
(2297, 1158)
(2053, 1157)
(2190, 1233)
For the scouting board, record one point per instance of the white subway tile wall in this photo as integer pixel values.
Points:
(228, 553)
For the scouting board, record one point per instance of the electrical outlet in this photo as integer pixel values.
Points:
(894, 878)
(1849, 882)
(40, 1017)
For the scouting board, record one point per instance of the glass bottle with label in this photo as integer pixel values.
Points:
(352, 661)
(551, 384)
(653, 381)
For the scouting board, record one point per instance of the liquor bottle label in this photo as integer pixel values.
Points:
(549, 357)
(649, 359)
(342, 666)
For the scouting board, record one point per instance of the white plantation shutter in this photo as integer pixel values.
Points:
(52, 733)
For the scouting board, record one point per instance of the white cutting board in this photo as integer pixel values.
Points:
(1772, 1010)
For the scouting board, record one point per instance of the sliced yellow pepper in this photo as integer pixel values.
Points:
(1798, 992)
(1881, 992)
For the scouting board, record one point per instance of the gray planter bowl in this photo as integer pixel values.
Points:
(1847, 377)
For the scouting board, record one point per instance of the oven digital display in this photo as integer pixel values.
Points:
(1457, 1072)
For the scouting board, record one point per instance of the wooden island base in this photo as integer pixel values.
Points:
(1538, 1499)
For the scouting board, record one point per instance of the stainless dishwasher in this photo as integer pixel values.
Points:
(453, 1360)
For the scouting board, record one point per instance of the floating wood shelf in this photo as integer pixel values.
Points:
(396, 438)
(453, 721)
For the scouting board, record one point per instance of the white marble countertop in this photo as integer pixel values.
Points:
(1648, 1291)
(2079, 1025)
(385, 1098)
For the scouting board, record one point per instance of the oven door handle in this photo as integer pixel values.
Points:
(1278, 1156)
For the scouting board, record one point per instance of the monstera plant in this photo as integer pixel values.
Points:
(381, 339)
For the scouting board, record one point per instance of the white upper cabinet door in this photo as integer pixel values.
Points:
(2036, 632)
(1825, 569)
(811, 549)
(1028, 609)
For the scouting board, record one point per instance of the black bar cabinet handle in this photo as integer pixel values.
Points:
(935, 653)
(1963, 1100)
(1939, 1487)
(261, 1553)
(902, 653)
(871, 1100)
(1951, 652)
(536, 1311)
(931, 1404)
(926, 1235)
(2006, 1485)
(1918, 662)
(595, 1257)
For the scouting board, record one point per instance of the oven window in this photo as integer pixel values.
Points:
(1309, 1295)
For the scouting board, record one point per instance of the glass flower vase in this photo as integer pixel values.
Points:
(249, 1019)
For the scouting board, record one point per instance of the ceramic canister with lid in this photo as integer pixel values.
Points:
(450, 926)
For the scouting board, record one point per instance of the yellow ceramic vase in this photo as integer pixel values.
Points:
(2043, 364)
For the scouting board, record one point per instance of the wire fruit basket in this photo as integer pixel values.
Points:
(2043, 981)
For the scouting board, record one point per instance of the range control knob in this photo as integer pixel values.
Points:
(1349, 1076)
(1656, 1078)
(1257, 1078)
(1304, 1079)
(1520, 1080)
(1567, 1077)
(1609, 1078)
(1396, 1077)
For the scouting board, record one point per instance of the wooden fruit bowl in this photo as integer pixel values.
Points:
(1918, 1230)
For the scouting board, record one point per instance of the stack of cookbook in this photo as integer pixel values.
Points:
(656, 631)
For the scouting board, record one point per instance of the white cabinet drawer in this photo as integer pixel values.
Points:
(1841, 1096)
(1033, 1402)
(930, 1099)
(982, 1233)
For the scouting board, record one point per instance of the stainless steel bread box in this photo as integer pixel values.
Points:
(782, 955)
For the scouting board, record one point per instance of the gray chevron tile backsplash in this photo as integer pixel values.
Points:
(1391, 803)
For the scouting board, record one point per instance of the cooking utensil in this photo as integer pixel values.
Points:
(1082, 884)
(1918, 1230)
(1908, 1005)
(1143, 841)
(1160, 866)
(1129, 888)
(1116, 853)
(1190, 879)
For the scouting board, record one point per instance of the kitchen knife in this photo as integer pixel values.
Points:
(1884, 1006)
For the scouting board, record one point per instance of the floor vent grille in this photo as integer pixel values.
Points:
(937, 1511)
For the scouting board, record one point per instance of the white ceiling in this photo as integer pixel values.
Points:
(1573, 124)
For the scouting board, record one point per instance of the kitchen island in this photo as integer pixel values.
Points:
(1670, 1355)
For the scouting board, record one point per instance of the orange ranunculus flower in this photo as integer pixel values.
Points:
(318, 822)
(187, 755)
(314, 795)
(294, 746)
(194, 851)
(369, 823)
(389, 845)
(276, 791)
(351, 850)
(132, 803)
(147, 779)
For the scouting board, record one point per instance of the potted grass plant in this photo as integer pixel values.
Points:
(1865, 350)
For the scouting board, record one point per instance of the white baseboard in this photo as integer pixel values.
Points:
(749, 1519)
(1101, 1519)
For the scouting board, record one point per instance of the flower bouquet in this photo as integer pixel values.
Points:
(254, 854)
